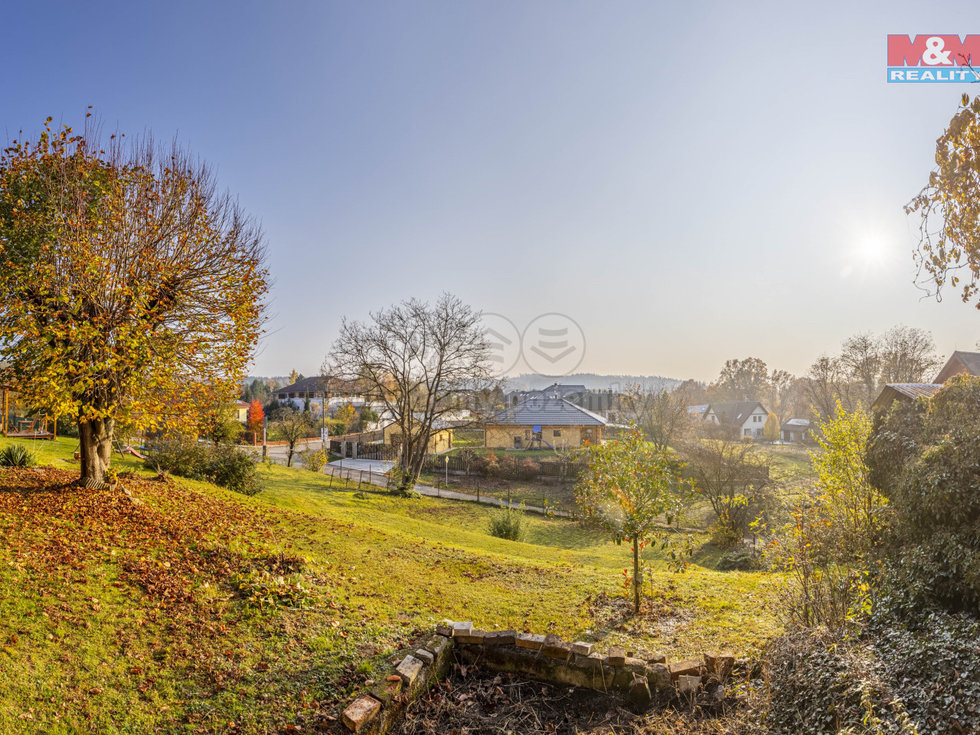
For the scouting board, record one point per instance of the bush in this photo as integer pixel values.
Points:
(508, 523)
(488, 465)
(314, 459)
(741, 560)
(17, 455)
(886, 681)
(226, 466)
(925, 461)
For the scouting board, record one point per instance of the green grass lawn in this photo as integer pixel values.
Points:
(118, 616)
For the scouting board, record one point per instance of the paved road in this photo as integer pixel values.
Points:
(381, 467)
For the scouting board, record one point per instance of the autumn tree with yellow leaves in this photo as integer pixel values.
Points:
(131, 289)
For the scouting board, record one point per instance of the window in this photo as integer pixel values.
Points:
(557, 432)
(747, 432)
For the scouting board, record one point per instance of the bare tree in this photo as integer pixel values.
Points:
(868, 362)
(826, 383)
(421, 361)
(734, 477)
(908, 355)
(862, 360)
(661, 416)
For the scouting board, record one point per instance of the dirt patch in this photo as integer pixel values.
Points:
(475, 702)
(660, 616)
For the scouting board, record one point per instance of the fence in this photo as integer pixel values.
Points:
(510, 467)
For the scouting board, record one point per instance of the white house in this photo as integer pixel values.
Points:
(745, 418)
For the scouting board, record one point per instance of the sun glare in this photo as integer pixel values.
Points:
(871, 251)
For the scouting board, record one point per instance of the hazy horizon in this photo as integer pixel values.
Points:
(689, 184)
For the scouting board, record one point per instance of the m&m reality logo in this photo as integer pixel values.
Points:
(933, 59)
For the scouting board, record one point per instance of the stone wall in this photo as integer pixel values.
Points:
(641, 678)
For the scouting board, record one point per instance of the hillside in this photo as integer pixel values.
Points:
(180, 606)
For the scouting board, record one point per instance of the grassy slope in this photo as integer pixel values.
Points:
(88, 645)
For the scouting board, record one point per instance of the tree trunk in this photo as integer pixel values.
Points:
(95, 440)
(636, 576)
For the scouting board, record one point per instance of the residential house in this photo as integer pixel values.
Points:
(241, 411)
(959, 363)
(383, 442)
(545, 421)
(742, 418)
(903, 392)
(319, 392)
(554, 391)
(795, 430)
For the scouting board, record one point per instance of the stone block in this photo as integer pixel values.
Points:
(591, 662)
(530, 641)
(580, 648)
(659, 677)
(655, 658)
(685, 668)
(436, 645)
(424, 655)
(473, 636)
(360, 713)
(719, 664)
(387, 691)
(616, 656)
(460, 628)
(639, 693)
(499, 638)
(688, 684)
(409, 669)
(554, 647)
(445, 629)
(635, 663)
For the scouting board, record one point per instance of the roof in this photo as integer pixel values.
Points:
(904, 391)
(538, 411)
(309, 385)
(796, 425)
(734, 412)
(554, 390)
(698, 410)
(960, 362)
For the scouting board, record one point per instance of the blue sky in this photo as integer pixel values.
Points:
(689, 182)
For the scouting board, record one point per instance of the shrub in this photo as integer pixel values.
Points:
(226, 466)
(925, 460)
(488, 465)
(886, 681)
(17, 455)
(314, 460)
(741, 560)
(508, 523)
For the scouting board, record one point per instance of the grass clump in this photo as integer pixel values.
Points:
(508, 523)
(17, 455)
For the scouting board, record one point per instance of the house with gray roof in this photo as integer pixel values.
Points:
(742, 418)
(543, 422)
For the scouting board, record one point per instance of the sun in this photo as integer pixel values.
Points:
(871, 251)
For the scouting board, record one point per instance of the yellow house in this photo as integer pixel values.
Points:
(439, 441)
(544, 422)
